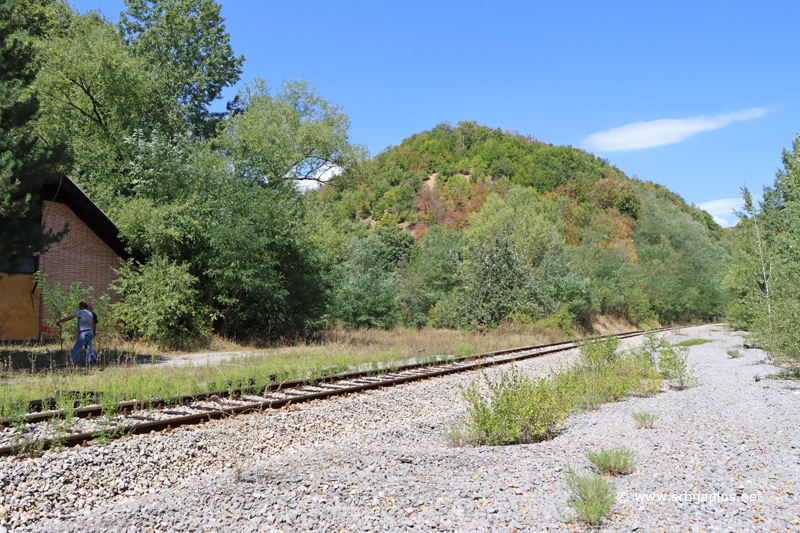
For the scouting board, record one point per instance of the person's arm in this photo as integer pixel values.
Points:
(65, 319)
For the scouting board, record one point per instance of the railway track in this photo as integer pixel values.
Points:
(41, 429)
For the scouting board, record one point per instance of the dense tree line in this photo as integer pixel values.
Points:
(464, 227)
(764, 278)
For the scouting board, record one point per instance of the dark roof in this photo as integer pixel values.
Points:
(63, 190)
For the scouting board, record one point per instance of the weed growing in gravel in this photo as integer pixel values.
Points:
(599, 351)
(613, 461)
(591, 496)
(734, 353)
(454, 434)
(19, 444)
(517, 409)
(674, 368)
(61, 426)
(241, 463)
(671, 360)
(692, 342)
(644, 420)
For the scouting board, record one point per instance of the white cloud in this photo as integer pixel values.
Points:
(722, 210)
(641, 135)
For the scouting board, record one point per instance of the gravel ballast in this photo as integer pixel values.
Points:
(723, 456)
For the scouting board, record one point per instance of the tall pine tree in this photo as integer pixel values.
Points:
(25, 163)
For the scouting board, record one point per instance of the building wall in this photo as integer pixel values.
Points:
(19, 307)
(80, 256)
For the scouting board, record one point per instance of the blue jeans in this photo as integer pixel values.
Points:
(89, 353)
(84, 338)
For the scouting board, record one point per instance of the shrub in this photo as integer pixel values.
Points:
(588, 387)
(562, 320)
(644, 420)
(613, 461)
(517, 410)
(671, 360)
(597, 351)
(645, 380)
(674, 367)
(591, 496)
(364, 291)
(158, 302)
(454, 434)
(63, 301)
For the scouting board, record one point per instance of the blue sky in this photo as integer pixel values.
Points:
(698, 96)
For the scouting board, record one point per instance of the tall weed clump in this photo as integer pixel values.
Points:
(600, 377)
(599, 351)
(670, 360)
(613, 461)
(517, 410)
(591, 496)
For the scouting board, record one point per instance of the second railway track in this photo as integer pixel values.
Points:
(43, 430)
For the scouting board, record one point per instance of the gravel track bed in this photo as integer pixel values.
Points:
(376, 462)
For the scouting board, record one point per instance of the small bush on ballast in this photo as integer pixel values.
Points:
(591, 496)
(613, 461)
(599, 351)
(517, 410)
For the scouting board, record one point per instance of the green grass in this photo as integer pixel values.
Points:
(693, 342)
(591, 496)
(791, 374)
(644, 420)
(734, 353)
(121, 379)
(613, 461)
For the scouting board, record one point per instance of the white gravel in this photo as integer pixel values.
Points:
(376, 462)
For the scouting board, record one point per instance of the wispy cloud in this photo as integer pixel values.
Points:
(722, 210)
(641, 135)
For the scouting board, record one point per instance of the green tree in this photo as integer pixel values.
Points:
(364, 290)
(750, 276)
(94, 94)
(432, 272)
(682, 263)
(188, 49)
(491, 287)
(295, 134)
(259, 269)
(25, 162)
(256, 267)
(766, 268)
(529, 225)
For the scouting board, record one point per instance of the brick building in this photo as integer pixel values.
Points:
(88, 254)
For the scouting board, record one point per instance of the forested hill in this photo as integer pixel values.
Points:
(508, 227)
(484, 158)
